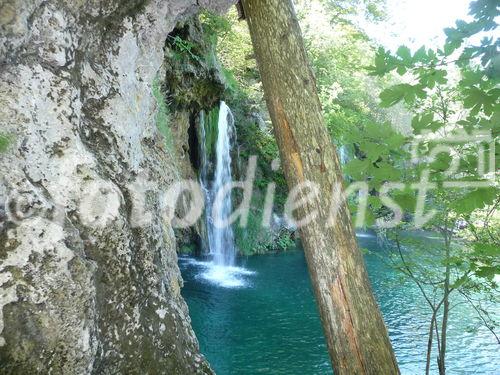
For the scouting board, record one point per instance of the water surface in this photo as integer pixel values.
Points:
(262, 319)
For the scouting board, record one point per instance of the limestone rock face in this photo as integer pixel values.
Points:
(89, 282)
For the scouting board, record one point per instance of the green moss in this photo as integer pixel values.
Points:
(211, 131)
(4, 142)
(163, 116)
(187, 249)
(253, 239)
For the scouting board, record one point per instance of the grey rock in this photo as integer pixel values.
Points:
(89, 284)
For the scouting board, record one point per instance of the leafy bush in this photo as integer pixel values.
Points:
(284, 240)
(182, 47)
(214, 26)
(255, 239)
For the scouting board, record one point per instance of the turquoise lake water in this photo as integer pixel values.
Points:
(261, 318)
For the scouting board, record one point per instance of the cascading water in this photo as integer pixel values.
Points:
(219, 239)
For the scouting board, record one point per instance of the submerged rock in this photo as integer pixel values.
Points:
(89, 281)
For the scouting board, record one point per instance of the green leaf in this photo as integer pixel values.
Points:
(357, 168)
(384, 63)
(442, 162)
(385, 172)
(406, 199)
(395, 94)
(451, 46)
(471, 78)
(405, 54)
(401, 70)
(476, 199)
(420, 55)
(403, 91)
(488, 272)
(486, 249)
(377, 131)
(440, 76)
(421, 121)
(372, 150)
(477, 99)
(395, 141)
(391, 96)
(374, 202)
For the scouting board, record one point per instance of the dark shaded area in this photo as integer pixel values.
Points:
(194, 144)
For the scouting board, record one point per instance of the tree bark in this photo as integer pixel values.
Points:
(357, 338)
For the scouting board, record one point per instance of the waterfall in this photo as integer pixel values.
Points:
(215, 173)
(220, 240)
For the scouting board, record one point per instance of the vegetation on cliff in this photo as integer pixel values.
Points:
(377, 105)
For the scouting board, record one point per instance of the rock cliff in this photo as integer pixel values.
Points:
(89, 282)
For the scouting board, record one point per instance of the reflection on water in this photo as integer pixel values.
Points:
(260, 318)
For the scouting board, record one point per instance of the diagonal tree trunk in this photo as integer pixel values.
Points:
(357, 338)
